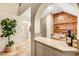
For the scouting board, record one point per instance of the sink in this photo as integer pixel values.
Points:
(57, 36)
(58, 43)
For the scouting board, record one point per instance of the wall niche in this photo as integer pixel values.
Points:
(63, 22)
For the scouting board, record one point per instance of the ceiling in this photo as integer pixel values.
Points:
(9, 7)
(71, 8)
(15, 9)
(23, 7)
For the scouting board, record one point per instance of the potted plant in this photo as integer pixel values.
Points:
(8, 28)
(74, 36)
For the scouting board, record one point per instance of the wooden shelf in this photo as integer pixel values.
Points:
(65, 29)
(64, 23)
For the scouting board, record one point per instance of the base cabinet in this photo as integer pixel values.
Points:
(43, 50)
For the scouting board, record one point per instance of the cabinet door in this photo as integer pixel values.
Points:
(39, 49)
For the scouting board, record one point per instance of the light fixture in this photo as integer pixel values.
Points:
(49, 7)
(19, 4)
(24, 22)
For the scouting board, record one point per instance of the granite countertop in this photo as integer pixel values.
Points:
(57, 44)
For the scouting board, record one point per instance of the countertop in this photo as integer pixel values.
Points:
(57, 44)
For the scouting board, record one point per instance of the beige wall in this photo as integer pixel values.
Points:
(49, 25)
(23, 7)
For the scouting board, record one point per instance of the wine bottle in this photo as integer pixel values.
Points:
(69, 38)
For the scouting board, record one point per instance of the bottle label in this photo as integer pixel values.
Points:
(68, 39)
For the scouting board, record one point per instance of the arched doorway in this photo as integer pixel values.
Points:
(53, 9)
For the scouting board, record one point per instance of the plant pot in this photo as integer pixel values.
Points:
(9, 49)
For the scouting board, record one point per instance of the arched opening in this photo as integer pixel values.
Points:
(43, 15)
(46, 26)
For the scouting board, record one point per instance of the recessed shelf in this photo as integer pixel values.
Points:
(62, 25)
(65, 29)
